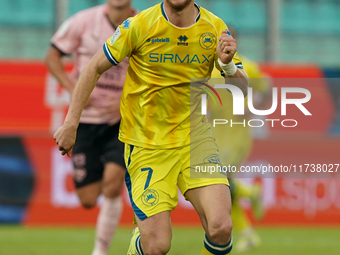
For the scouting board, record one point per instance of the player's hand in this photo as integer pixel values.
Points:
(226, 47)
(65, 138)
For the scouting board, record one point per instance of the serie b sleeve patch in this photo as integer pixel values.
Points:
(115, 36)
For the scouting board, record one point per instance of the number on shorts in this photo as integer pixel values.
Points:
(147, 183)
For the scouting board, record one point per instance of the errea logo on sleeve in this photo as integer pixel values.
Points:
(126, 24)
(115, 36)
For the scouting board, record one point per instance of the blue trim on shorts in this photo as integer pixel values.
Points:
(137, 211)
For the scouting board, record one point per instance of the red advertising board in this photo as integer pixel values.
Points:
(32, 105)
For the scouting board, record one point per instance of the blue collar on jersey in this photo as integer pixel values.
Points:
(166, 17)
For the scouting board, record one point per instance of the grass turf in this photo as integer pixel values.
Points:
(19, 240)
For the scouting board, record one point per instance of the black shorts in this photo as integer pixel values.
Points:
(96, 145)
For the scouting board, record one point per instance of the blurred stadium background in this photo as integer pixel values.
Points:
(39, 211)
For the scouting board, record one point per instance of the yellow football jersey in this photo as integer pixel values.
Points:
(155, 104)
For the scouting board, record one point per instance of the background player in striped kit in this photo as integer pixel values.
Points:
(98, 154)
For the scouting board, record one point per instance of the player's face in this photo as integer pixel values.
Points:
(179, 4)
(119, 3)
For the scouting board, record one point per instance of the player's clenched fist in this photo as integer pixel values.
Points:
(65, 137)
(226, 47)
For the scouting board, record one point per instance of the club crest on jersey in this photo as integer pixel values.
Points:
(150, 197)
(208, 41)
(115, 36)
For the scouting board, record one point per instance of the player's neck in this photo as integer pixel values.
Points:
(118, 16)
(184, 18)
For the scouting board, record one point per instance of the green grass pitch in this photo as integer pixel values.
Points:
(19, 240)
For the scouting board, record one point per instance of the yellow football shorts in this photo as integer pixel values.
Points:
(153, 175)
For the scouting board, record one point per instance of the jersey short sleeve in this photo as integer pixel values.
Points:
(122, 43)
(221, 26)
(68, 36)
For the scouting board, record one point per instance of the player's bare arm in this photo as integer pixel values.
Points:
(226, 49)
(65, 136)
(56, 67)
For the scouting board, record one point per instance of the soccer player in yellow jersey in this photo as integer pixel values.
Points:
(235, 144)
(167, 45)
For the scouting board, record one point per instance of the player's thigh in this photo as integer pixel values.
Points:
(89, 193)
(113, 180)
(156, 231)
(209, 193)
(151, 180)
(213, 205)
